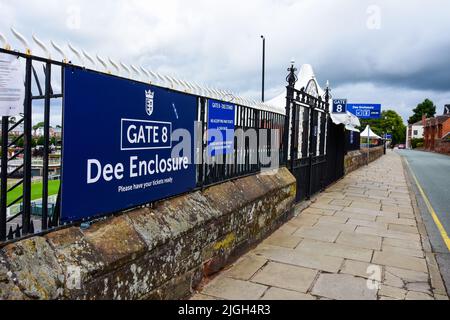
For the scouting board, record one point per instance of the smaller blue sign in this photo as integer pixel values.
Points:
(221, 125)
(388, 136)
(340, 106)
(365, 110)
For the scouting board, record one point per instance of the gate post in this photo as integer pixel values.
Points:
(312, 149)
(291, 79)
(4, 178)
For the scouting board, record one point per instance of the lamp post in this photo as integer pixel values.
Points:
(263, 68)
(385, 138)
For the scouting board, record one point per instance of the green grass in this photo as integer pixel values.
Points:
(36, 190)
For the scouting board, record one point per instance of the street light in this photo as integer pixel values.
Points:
(263, 68)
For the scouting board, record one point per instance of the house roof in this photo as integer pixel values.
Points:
(438, 120)
(446, 136)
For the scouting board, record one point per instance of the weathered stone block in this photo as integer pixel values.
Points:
(78, 258)
(116, 240)
(34, 267)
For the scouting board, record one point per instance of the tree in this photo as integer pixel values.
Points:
(40, 141)
(390, 122)
(39, 125)
(427, 108)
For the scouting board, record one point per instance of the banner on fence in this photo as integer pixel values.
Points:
(365, 110)
(119, 138)
(221, 125)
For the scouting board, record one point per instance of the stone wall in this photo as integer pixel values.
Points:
(159, 253)
(357, 159)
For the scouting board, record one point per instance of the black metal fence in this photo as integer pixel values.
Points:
(317, 145)
(16, 184)
(245, 158)
(40, 76)
(304, 139)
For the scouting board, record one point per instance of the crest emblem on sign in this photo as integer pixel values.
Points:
(149, 106)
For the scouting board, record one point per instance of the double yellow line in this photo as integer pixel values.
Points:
(436, 220)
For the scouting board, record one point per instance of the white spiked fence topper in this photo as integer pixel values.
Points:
(138, 73)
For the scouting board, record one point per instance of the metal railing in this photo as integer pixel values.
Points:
(26, 222)
(45, 95)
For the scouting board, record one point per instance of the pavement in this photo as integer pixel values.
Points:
(430, 173)
(362, 239)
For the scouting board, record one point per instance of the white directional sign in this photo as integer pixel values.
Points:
(12, 89)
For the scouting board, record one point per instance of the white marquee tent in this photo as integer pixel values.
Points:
(305, 75)
(369, 133)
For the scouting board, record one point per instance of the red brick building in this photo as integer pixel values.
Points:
(437, 134)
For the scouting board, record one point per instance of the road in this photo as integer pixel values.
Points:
(432, 172)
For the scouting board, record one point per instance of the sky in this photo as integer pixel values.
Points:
(391, 52)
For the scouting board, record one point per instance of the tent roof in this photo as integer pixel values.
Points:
(369, 133)
(305, 75)
(348, 119)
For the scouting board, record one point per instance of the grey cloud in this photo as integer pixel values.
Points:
(217, 42)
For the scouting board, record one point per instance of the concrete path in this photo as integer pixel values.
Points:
(358, 240)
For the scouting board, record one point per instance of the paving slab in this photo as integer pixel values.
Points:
(326, 206)
(355, 215)
(245, 267)
(353, 239)
(400, 261)
(415, 245)
(323, 233)
(387, 234)
(407, 275)
(306, 219)
(343, 203)
(283, 294)
(283, 240)
(286, 276)
(343, 287)
(335, 250)
(365, 205)
(392, 292)
(404, 251)
(315, 260)
(344, 227)
(411, 295)
(232, 289)
(365, 223)
(359, 268)
(317, 211)
(400, 221)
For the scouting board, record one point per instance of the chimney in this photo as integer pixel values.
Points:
(447, 109)
(424, 119)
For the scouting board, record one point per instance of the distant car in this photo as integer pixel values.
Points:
(401, 146)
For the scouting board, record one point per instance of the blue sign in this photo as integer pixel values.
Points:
(118, 140)
(340, 106)
(388, 136)
(365, 111)
(221, 125)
